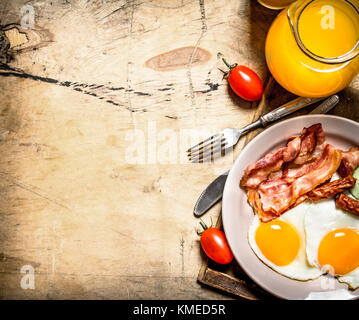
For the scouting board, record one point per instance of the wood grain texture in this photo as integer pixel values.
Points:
(74, 91)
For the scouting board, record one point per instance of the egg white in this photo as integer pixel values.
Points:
(298, 269)
(323, 217)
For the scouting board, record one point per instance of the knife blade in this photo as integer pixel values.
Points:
(213, 193)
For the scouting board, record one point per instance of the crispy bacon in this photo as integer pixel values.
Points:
(331, 189)
(255, 202)
(273, 197)
(313, 144)
(272, 162)
(283, 179)
(302, 149)
(348, 204)
(349, 162)
(298, 201)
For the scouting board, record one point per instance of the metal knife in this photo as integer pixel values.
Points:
(213, 193)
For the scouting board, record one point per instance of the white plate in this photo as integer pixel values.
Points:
(237, 213)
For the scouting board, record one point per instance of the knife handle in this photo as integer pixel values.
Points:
(327, 105)
(287, 109)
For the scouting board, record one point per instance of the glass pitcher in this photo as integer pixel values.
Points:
(312, 47)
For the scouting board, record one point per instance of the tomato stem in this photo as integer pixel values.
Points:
(225, 73)
(203, 225)
(230, 66)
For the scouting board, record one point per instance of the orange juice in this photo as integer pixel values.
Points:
(318, 55)
(275, 4)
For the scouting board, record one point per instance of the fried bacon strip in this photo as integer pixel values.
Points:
(312, 146)
(297, 146)
(272, 162)
(273, 197)
(349, 162)
(331, 189)
(348, 204)
(255, 202)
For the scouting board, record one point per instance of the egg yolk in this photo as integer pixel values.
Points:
(339, 249)
(278, 241)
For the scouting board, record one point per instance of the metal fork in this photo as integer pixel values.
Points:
(227, 138)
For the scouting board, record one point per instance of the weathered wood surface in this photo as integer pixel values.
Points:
(92, 223)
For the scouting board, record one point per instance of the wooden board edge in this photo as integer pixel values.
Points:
(228, 283)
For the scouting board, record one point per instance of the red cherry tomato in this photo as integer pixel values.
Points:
(215, 245)
(245, 83)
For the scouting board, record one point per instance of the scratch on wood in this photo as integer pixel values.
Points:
(98, 91)
(203, 31)
(182, 252)
(115, 11)
(172, 117)
(128, 70)
(30, 189)
(123, 235)
(212, 87)
(139, 93)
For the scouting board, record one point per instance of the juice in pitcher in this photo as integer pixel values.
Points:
(312, 47)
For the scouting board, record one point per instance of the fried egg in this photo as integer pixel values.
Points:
(333, 241)
(280, 244)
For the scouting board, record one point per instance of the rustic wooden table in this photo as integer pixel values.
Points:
(98, 100)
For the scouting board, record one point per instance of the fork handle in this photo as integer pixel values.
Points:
(287, 109)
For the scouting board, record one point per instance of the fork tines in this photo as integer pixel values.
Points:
(205, 150)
